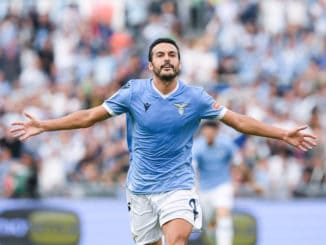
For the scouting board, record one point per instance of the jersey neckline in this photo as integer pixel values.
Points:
(164, 96)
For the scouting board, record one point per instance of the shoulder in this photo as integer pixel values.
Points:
(198, 94)
(136, 84)
(192, 89)
(139, 82)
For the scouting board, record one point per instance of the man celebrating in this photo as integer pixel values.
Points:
(163, 114)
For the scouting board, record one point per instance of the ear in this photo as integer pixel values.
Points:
(150, 66)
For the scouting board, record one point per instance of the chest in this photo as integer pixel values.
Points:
(155, 114)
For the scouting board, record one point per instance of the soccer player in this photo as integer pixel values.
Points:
(213, 153)
(163, 114)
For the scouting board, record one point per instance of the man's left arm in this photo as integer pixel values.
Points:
(248, 125)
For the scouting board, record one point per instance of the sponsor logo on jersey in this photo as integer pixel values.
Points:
(146, 106)
(181, 107)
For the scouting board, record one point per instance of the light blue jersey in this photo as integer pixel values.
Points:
(160, 131)
(213, 161)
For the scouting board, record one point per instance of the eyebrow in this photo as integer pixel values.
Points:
(169, 52)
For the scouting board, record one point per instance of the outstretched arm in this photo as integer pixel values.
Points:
(247, 125)
(79, 119)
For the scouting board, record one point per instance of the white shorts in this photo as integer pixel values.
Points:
(149, 212)
(221, 196)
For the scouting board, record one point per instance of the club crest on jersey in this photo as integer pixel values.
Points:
(181, 107)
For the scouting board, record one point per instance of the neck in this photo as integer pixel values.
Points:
(210, 142)
(163, 86)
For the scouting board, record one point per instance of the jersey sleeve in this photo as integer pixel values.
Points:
(210, 109)
(119, 102)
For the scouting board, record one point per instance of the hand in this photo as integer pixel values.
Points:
(24, 130)
(299, 139)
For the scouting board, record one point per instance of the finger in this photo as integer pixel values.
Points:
(29, 116)
(310, 136)
(17, 123)
(301, 147)
(310, 140)
(24, 137)
(13, 130)
(306, 145)
(20, 134)
(300, 128)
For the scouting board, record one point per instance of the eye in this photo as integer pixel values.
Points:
(172, 54)
(159, 54)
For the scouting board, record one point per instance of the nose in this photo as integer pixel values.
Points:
(166, 58)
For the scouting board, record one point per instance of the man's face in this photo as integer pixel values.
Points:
(209, 133)
(165, 61)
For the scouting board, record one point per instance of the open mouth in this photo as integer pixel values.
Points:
(167, 67)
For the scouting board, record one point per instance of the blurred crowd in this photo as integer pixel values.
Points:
(266, 59)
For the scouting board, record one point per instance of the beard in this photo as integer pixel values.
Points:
(166, 76)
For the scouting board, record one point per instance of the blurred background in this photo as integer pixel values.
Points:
(266, 59)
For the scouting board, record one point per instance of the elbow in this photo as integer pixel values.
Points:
(82, 124)
(240, 125)
(86, 120)
(91, 116)
(86, 124)
(239, 122)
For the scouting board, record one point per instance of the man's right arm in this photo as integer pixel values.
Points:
(78, 119)
(75, 120)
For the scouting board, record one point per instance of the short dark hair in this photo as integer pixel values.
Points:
(162, 40)
(210, 123)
